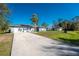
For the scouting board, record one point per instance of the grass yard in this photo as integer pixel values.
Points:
(5, 44)
(71, 36)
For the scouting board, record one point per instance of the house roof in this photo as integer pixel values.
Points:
(21, 25)
(25, 25)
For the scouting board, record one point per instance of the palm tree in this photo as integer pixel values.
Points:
(4, 11)
(34, 19)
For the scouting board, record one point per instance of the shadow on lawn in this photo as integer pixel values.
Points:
(73, 42)
(62, 49)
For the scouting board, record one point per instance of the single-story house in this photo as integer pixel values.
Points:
(58, 28)
(25, 28)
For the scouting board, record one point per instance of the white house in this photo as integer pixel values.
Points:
(42, 29)
(25, 28)
(60, 29)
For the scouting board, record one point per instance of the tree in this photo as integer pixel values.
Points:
(4, 11)
(72, 26)
(34, 19)
(64, 24)
(60, 22)
(44, 24)
(76, 22)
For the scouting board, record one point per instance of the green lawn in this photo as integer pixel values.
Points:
(5, 44)
(71, 36)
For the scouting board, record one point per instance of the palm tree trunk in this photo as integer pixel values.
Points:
(35, 27)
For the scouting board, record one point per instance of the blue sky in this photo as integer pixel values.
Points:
(47, 12)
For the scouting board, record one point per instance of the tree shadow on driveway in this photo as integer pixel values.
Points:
(61, 49)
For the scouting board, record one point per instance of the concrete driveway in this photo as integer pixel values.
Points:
(28, 44)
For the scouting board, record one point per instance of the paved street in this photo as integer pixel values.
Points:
(28, 44)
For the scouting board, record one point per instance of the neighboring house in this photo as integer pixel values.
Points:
(58, 28)
(25, 28)
(42, 29)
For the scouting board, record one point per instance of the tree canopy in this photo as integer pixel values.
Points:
(4, 11)
(44, 24)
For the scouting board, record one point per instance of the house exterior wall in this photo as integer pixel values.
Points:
(14, 29)
(24, 29)
(21, 29)
(32, 30)
(60, 29)
(42, 29)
